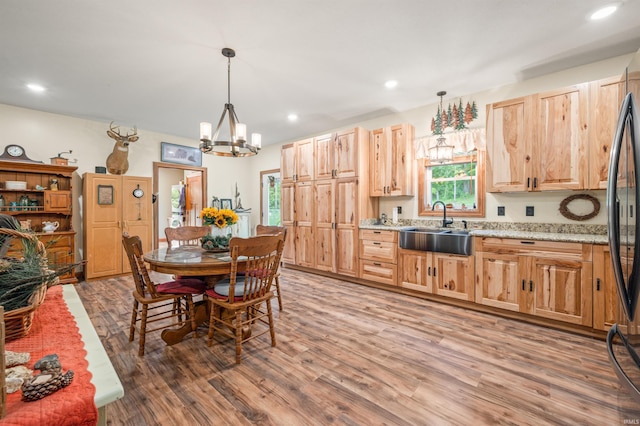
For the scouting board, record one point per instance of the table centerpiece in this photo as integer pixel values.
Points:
(221, 221)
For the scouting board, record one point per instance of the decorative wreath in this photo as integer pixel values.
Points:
(564, 207)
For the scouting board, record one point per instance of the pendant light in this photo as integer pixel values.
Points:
(237, 145)
(441, 152)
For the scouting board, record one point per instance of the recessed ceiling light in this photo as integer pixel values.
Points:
(391, 84)
(292, 117)
(604, 12)
(36, 87)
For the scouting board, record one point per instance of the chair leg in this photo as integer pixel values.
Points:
(192, 315)
(277, 280)
(238, 330)
(143, 329)
(134, 318)
(272, 329)
(213, 311)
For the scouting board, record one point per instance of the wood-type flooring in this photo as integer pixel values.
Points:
(349, 354)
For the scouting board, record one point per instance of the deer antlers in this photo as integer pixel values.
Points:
(114, 133)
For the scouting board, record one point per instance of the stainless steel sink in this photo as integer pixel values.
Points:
(439, 240)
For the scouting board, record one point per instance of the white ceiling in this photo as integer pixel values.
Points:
(157, 64)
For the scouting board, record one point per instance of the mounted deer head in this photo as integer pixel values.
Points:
(117, 161)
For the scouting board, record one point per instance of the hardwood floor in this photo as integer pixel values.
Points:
(353, 355)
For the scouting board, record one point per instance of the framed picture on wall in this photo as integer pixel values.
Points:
(180, 154)
(226, 203)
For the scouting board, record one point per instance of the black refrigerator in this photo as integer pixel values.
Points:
(623, 198)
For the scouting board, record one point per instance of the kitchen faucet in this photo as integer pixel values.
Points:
(445, 222)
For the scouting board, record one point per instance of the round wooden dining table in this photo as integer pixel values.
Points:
(190, 261)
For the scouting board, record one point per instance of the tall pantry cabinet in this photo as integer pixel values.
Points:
(113, 204)
(324, 199)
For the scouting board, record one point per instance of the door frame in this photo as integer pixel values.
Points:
(262, 174)
(157, 165)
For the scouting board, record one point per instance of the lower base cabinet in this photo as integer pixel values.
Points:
(606, 304)
(543, 278)
(443, 274)
(378, 256)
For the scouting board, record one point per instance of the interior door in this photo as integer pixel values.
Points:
(194, 199)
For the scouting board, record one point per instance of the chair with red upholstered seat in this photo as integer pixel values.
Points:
(158, 303)
(236, 303)
(186, 235)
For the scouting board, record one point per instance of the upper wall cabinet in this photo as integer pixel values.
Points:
(296, 161)
(539, 142)
(336, 155)
(391, 161)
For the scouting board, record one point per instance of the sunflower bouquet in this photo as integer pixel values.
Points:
(220, 220)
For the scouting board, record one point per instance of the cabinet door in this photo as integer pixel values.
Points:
(57, 201)
(288, 163)
(412, 270)
(346, 225)
(562, 131)
(324, 225)
(324, 155)
(509, 135)
(346, 153)
(304, 214)
(498, 277)
(287, 213)
(606, 304)
(378, 153)
(102, 227)
(562, 290)
(136, 214)
(304, 161)
(605, 99)
(453, 275)
(400, 163)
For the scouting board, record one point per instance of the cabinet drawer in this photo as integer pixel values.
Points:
(378, 251)
(572, 251)
(378, 235)
(380, 272)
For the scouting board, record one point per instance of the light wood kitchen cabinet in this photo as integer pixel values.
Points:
(378, 256)
(551, 279)
(443, 274)
(539, 142)
(296, 161)
(109, 209)
(287, 218)
(337, 155)
(606, 303)
(304, 224)
(392, 161)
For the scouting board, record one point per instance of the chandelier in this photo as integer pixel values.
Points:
(441, 152)
(237, 145)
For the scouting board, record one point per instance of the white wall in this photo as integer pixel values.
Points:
(43, 135)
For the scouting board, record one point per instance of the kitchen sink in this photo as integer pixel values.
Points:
(439, 240)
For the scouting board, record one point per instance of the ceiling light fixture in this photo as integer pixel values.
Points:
(604, 12)
(441, 152)
(391, 84)
(292, 117)
(35, 87)
(237, 145)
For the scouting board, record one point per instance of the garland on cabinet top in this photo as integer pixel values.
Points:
(455, 117)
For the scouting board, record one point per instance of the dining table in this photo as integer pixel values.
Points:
(190, 260)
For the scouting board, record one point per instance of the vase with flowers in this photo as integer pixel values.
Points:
(220, 221)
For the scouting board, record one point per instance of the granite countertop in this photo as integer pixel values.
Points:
(573, 233)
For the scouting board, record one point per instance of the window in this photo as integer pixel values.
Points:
(459, 184)
(270, 198)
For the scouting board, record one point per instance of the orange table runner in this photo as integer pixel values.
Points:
(54, 331)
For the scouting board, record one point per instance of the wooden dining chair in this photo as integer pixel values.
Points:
(186, 235)
(158, 304)
(236, 303)
(274, 230)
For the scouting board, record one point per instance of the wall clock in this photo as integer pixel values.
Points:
(15, 152)
(138, 192)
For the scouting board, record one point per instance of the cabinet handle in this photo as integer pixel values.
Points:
(527, 242)
(388, 190)
(530, 285)
(376, 243)
(377, 264)
(523, 285)
(598, 284)
(429, 271)
(528, 182)
(377, 232)
(434, 271)
(535, 182)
